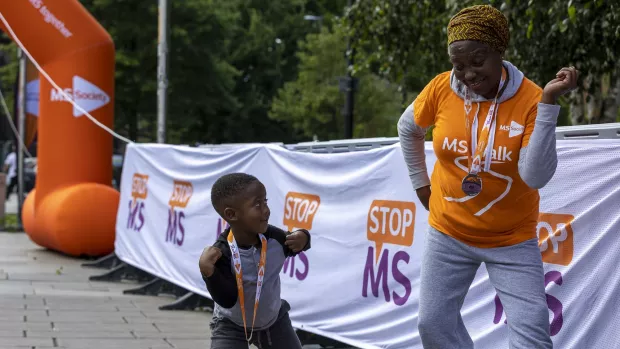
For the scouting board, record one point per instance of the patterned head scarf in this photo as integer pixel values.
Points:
(482, 23)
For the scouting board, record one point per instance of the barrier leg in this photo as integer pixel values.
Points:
(308, 338)
(156, 287)
(123, 272)
(189, 301)
(108, 262)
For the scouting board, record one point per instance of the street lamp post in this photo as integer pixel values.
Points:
(350, 87)
(162, 69)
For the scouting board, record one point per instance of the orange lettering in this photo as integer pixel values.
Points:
(181, 193)
(299, 210)
(138, 186)
(555, 238)
(390, 222)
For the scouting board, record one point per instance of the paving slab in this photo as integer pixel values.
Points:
(89, 334)
(189, 343)
(113, 343)
(48, 301)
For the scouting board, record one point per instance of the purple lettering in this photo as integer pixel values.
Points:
(176, 230)
(304, 260)
(400, 278)
(131, 217)
(381, 276)
(219, 229)
(171, 232)
(289, 261)
(181, 216)
(553, 304)
(499, 310)
(140, 217)
(135, 210)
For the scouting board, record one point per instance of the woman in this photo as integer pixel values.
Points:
(494, 138)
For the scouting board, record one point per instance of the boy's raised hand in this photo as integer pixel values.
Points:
(209, 256)
(296, 241)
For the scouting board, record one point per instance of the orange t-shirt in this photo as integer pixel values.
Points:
(506, 211)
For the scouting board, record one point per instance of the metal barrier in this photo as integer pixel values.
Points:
(598, 131)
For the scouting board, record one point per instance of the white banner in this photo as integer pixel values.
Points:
(359, 283)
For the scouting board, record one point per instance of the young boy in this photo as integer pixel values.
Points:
(253, 252)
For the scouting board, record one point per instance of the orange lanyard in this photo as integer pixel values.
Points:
(484, 146)
(239, 276)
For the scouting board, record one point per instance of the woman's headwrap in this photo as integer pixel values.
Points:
(482, 23)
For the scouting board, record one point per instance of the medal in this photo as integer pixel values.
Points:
(472, 184)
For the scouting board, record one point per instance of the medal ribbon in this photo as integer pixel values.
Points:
(484, 145)
(234, 249)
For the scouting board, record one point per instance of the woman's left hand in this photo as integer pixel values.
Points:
(564, 82)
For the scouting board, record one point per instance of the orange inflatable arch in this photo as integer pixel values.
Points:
(73, 206)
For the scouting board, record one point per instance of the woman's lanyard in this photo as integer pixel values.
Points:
(234, 249)
(483, 146)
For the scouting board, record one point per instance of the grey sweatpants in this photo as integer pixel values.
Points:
(225, 334)
(448, 269)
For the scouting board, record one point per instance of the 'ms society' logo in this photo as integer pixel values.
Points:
(514, 129)
(299, 212)
(84, 93)
(139, 192)
(181, 194)
(389, 222)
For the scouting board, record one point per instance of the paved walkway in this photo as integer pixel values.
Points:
(46, 301)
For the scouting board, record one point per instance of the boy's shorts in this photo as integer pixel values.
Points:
(225, 334)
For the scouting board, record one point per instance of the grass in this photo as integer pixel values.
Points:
(10, 223)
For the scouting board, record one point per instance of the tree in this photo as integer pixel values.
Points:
(227, 61)
(263, 49)
(402, 40)
(409, 36)
(8, 78)
(200, 78)
(585, 34)
(313, 103)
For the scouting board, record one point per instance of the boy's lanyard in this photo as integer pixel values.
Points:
(239, 276)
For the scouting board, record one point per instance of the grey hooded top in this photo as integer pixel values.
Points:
(537, 161)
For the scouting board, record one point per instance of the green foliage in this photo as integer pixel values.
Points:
(408, 37)
(398, 38)
(253, 70)
(200, 77)
(586, 34)
(265, 42)
(313, 103)
(8, 76)
(549, 35)
(227, 61)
